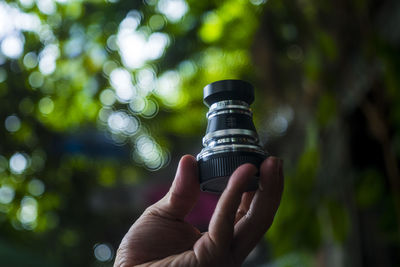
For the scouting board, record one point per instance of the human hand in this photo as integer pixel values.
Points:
(161, 237)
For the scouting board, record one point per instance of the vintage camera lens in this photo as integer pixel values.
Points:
(231, 138)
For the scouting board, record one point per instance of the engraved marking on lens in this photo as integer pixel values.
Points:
(228, 132)
(230, 111)
(230, 103)
(233, 140)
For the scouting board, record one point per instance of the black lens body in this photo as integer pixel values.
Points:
(231, 138)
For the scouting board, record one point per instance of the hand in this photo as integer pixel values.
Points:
(161, 237)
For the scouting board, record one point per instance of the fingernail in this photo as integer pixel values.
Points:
(260, 186)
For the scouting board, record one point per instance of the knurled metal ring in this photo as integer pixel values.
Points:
(230, 148)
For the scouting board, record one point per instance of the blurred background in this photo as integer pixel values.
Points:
(100, 99)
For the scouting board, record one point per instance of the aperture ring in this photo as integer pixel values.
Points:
(229, 132)
(247, 112)
(206, 152)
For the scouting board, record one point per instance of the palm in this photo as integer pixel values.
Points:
(162, 237)
(158, 236)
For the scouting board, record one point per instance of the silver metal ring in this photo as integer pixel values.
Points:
(229, 111)
(225, 103)
(230, 148)
(230, 107)
(235, 140)
(229, 132)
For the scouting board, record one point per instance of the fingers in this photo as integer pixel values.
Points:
(183, 193)
(222, 221)
(244, 206)
(250, 229)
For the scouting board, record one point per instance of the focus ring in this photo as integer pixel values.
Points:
(225, 164)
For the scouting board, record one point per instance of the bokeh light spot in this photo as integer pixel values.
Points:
(36, 187)
(156, 44)
(121, 81)
(103, 252)
(13, 21)
(7, 194)
(12, 46)
(137, 105)
(47, 59)
(279, 125)
(30, 60)
(74, 46)
(121, 122)
(117, 121)
(146, 80)
(212, 27)
(149, 153)
(136, 47)
(109, 66)
(132, 47)
(18, 163)
(112, 43)
(132, 127)
(98, 56)
(47, 7)
(187, 68)
(104, 113)
(150, 110)
(107, 97)
(281, 120)
(174, 10)
(168, 88)
(156, 22)
(12, 123)
(36, 79)
(131, 22)
(27, 3)
(46, 105)
(28, 211)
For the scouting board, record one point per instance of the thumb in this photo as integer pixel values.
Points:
(184, 191)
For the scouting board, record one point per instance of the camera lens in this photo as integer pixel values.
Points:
(231, 138)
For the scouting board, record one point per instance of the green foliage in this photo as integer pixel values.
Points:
(298, 205)
(326, 110)
(96, 95)
(370, 189)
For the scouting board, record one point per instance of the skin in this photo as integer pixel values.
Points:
(161, 237)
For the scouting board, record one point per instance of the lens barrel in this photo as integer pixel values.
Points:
(231, 138)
